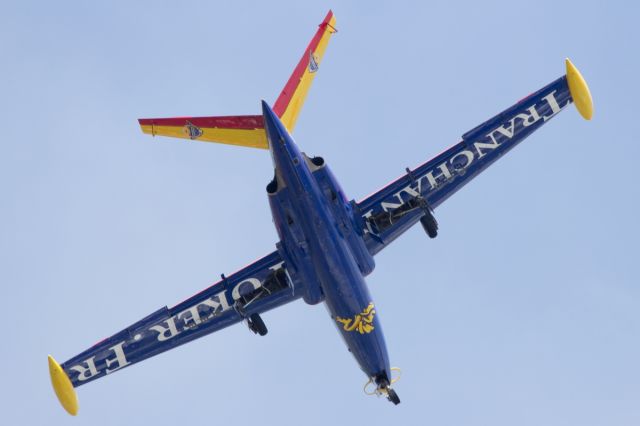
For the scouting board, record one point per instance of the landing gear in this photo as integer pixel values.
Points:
(276, 281)
(429, 222)
(384, 220)
(382, 388)
(393, 396)
(256, 324)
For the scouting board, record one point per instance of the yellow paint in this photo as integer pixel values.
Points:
(362, 322)
(395, 379)
(253, 138)
(290, 115)
(378, 390)
(579, 91)
(64, 389)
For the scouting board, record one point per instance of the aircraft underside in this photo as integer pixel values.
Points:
(327, 243)
(318, 245)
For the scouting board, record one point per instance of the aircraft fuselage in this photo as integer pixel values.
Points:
(318, 252)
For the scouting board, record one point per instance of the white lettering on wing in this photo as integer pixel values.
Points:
(86, 369)
(459, 161)
(115, 357)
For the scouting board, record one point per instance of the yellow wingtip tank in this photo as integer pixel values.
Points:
(579, 91)
(62, 386)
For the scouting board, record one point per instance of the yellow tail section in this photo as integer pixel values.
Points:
(245, 130)
(248, 130)
(293, 95)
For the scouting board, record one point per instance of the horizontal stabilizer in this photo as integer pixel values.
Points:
(292, 97)
(242, 130)
(248, 130)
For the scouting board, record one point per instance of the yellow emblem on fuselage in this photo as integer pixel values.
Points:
(362, 322)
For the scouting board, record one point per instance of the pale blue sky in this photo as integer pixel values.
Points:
(524, 311)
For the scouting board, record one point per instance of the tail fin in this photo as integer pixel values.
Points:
(247, 130)
(292, 97)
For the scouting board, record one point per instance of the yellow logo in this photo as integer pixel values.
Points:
(362, 322)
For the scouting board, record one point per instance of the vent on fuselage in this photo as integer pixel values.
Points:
(272, 187)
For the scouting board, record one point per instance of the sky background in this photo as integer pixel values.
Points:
(524, 311)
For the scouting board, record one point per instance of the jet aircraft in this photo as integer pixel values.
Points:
(327, 242)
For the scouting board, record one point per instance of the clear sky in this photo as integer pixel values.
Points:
(524, 311)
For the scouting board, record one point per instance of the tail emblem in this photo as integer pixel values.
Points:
(313, 62)
(362, 322)
(193, 132)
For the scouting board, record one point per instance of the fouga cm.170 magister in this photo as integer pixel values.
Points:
(327, 243)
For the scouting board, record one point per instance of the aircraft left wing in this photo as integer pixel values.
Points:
(257, 288)
(392, 210)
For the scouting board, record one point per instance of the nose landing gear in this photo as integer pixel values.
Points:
(393, 396)
(383, 387)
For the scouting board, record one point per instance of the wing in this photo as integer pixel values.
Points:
(257, 288)
(393, 209)
(248, 130)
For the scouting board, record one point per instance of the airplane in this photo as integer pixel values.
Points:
(327, 242)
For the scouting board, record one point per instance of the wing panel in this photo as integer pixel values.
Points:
(445, 174)
(256, 288)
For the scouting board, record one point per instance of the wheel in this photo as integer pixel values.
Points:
(257, 325)
(430, 225)
(393, 396)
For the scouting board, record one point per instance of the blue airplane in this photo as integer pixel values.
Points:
(327, 242)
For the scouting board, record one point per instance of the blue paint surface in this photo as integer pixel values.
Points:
(523, 311)
(323, 244)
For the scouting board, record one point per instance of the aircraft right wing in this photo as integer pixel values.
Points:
(392, 210)
(257, 288)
